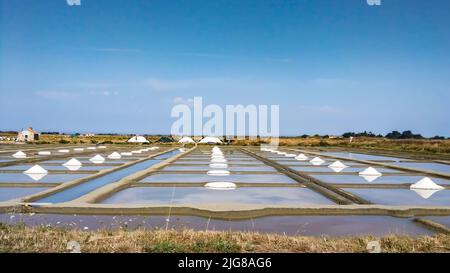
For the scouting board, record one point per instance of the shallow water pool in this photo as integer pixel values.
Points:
(205, 168)
(88, 186)
(49, 178)
(8, 193)
(403, 197)
(237, 178)
(290, 225)
(392, 179)
(200, 195)
(444, 168)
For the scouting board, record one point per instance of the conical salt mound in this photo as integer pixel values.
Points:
(97, 159)
(63, 151)
(44, 153)
(337, 164)
(218, 173)
(126, 153)
(301, 157)
(36, 169)
(218, 165)
(72, 162)
(220, 185)
(19, 154)
(290, 155)
(370, 172)
(114, 155)
(426, 184)
(218, 160)
(317, 161)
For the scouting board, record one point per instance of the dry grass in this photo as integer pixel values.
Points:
(40, 239)
(419, 146)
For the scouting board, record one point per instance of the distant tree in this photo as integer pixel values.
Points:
(405, 135)
(394, 135)
(409, 135)
(348, 134)
(362, 134)
(438, 138)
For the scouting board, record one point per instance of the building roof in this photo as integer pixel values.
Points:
(30, 129)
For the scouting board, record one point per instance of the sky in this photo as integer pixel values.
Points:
(120, 66)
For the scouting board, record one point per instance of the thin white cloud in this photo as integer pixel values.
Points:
(334, 83)
(218, 55)
(104, 93)
(82, 84)
(165, 85)
(205, 55)
(115, 50)
(321, 109)
(280, 60)
(57, 95)
(181, 100)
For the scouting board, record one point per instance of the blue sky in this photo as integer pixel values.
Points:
(119, 66)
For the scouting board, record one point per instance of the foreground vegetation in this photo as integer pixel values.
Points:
(43, 239)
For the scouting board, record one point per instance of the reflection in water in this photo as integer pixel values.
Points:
(243, 178)
(289, 225)
(425, 166)
(7, 193)
(425, 193)
(392, 179)
(50, 178)
(403, 197)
